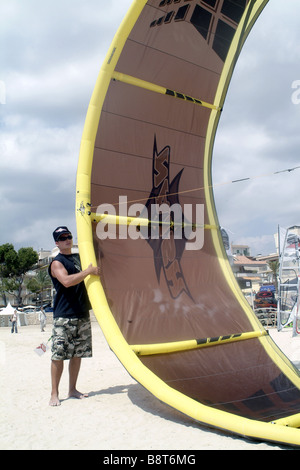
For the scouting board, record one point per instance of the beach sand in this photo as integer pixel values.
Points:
(119, 413)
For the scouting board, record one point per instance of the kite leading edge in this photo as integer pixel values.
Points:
(168, 303)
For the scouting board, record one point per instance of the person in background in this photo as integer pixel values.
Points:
(42, 319)
(71, 336)
(14, 321)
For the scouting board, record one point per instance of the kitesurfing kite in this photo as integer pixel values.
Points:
(169, 306)
(289, 279)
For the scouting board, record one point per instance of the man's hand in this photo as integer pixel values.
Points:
(69, 280)
(93, 270)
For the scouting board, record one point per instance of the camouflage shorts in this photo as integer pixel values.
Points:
(71, 337)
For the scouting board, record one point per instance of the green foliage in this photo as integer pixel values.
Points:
(14, 263)
(13, 267)
(8, 257)
(40, 282)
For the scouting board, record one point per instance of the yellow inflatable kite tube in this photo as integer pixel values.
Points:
(204, 355)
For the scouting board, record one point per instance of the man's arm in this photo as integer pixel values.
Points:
(67, 280)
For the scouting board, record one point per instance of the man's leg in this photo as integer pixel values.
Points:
(74, 367)
(56, 372)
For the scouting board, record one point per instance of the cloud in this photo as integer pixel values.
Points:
(51, 57)
(259, 135)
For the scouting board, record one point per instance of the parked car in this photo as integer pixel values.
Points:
(28, 309)
(264, 294)
(265, 303)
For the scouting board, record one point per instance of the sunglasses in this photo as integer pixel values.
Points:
(64, 238)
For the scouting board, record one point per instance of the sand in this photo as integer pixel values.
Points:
(119, 413)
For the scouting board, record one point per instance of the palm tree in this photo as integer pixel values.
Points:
(40, 283)
(274, 266)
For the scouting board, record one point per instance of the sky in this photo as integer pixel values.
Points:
(51, 54)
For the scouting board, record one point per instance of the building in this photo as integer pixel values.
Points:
(249, 272)
(240, 250)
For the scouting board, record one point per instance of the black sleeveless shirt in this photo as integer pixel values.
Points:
(70, 302)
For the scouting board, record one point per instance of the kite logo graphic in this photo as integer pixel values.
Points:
(167, 250)
(215, 20)
(168, 228)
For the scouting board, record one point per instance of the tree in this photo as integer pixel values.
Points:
(13, 267)
(3, 291)
(274, 266)
(7, 257)
(39, 283)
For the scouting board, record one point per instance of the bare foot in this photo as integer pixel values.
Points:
(76, 394)
(54, 401)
